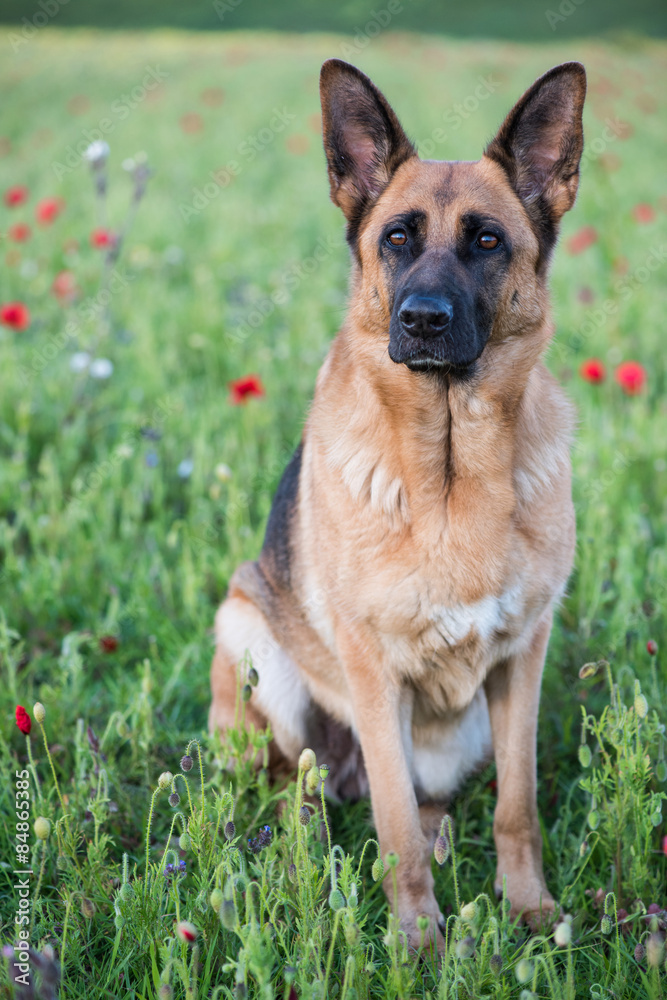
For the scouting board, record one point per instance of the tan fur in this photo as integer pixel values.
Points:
(434, 533)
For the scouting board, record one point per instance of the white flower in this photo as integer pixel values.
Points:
(185, 468)
(97, 153)
(79, 361)
(101, 368)
(223, 472)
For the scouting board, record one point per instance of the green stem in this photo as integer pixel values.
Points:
(454, 872)
(39, 885)
(33, 768)
(148, 834)
(331, 950)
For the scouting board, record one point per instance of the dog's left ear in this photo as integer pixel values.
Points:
(363, 139)
(539, 144)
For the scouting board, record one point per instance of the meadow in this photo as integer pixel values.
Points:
(156, 377)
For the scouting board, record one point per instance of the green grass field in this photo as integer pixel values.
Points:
(127, 501)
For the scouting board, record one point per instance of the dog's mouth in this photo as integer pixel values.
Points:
(425, 363)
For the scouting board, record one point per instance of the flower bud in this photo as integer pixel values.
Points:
(307, 760)
(392, 859)
(352, 934)
(312, 779)
(87, 908)
(651, 647)
(336, 899)
(605, 924)
(466, 947)
(496, 964)
(583, 850)
(641, 706)
(661, 771)
(585, 755)
(186, 931)
(42, 828)
(563, 934)
(423, 923)
(304, 815)
(246, 692)
(588, 670)
(523, 970)
(377, 871)
(230, 830)
(655, 949)
(253, 677)
(184, 842)
(174, 799)
(39, 712)
(469, 912)
(291, 873)
(352, 897)
(186, 762)
(640, 952)
(62, 862)
(441, 849)
(119, 921)
(165, 992)
(126, 891)
(216, 898)
(228, 915)
(594, 819)
(165, 780)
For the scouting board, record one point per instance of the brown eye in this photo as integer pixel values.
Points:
(487, 241)
(398, 238)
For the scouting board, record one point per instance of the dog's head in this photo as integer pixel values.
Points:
(452, 254)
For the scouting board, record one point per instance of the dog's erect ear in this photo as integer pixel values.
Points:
(363, 140)
(540, 142)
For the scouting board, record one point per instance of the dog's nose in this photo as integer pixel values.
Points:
(423, 316)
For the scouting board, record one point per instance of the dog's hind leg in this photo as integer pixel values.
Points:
(243, 636)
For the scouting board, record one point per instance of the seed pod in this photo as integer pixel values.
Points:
(377, 871)
(441, 849)
(336, 899)
(228, 915)
(230, 830)
(324, 771)
(186, 762)
(496, 964)
(585, 755)
(42, 828)
(312, 779)
(174, 799)
(216, 898)
(126, 891)
(469, 912)
(39, 712)
(304, 815)
(307, 760)
(165, 780)
(392, 859)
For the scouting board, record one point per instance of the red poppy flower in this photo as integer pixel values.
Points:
(191, 123)
(23, 720)
(48, 210)
(102, 239)
(16, 196)
(186, 931)
(631, 376)
(242, 388)
(64, 286)
(664, 845)
(108, 643)
(19, 232)
(593, 371)
(643, 213)
(651, 647)
(15, 314)
(582, 240)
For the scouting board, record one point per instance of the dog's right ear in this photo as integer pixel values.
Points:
(363, 139)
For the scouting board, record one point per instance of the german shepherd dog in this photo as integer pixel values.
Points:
(400, 609)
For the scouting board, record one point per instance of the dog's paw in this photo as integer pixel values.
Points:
(533, 904)
(424, 927)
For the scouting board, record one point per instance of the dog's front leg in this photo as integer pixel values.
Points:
(513, 694)
(379, 710)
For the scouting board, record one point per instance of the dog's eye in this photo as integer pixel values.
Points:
(397, 238)
(488, 241)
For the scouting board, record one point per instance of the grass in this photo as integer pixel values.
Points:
(114, 554)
